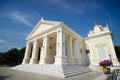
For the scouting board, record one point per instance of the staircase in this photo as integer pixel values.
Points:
(72, 70)
(61, 71)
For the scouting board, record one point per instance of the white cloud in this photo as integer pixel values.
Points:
(27, 18)
(2, 41)
(11, 33)
(20, 17)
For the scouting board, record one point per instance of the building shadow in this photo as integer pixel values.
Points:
(110, 78)
(115, 75)
(4, 77)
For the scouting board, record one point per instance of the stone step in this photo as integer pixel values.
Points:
(74, 70)
(72, 74)
(53, 70)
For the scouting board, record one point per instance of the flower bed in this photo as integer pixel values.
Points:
(105, 63)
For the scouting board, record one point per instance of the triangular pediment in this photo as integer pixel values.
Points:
(42, 26)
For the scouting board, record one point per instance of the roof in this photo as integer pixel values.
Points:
(98, 30)
(45, 26)
(42, 26)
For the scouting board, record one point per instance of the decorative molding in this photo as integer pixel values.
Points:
(98, 35)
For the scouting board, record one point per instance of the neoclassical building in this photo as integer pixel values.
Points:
(52, 42)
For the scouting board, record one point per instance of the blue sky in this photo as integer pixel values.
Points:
(18, 17)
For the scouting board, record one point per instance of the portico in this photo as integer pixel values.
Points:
(58, 46)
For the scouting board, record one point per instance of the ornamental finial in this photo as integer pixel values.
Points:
(95, 24)
(106, 24)
(42, 19)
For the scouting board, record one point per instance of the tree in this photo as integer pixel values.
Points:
(117, 50)
(2, 59)
(21, 55)
(12, 57)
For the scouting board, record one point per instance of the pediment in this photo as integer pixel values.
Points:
(42, 26)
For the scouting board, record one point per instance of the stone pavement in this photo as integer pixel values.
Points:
(9, 74)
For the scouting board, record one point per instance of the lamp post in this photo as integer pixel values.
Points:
(111, 59)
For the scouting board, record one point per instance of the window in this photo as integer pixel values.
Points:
(87, 51)
(101, 53)
(81, 51)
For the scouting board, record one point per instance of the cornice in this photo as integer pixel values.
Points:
(98, 35)
(44, 33)
(72, 32)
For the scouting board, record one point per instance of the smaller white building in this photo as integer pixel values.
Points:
(52, 42)
(99, 43)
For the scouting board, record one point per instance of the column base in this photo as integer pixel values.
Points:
(75, 60)
(60, 60)
(70, 60)
(33, 61)
(44, 60)
(80, 62)
(25, 61)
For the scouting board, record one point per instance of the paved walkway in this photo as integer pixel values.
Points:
(9, 74)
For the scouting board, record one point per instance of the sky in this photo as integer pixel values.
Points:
(18, 18)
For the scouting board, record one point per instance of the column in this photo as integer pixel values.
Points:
(75, 50)
(44, 50)
(60, 57)
(91, 53)
(62, 43)
(27, 54)
(81, 55)
(34, 57)
(71, 49)
(45, 46)
(57, 43)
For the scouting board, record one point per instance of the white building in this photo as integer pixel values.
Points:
(56, 50)
(52, 42)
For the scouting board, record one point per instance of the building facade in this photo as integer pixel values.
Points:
(52, 42)
(99, 42)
